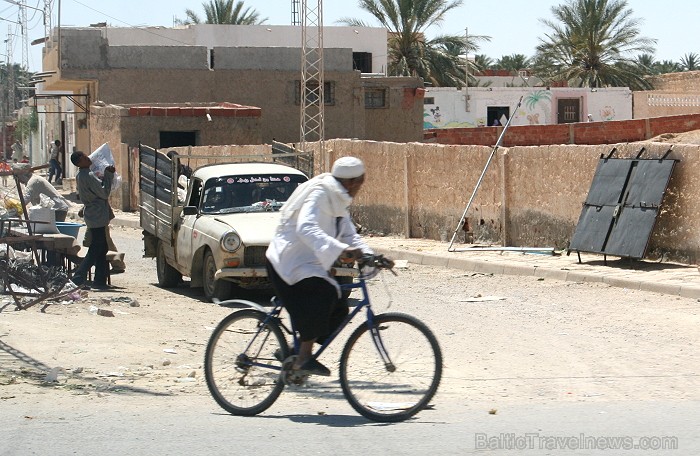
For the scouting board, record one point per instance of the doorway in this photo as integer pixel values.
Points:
(177, 139)
(497, 115)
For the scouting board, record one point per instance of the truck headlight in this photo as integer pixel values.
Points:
(231, 241)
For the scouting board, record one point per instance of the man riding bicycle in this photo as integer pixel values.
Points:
(316, 230)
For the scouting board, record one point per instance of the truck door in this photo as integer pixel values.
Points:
(185, 228)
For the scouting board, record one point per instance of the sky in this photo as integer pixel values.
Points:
(513, 25)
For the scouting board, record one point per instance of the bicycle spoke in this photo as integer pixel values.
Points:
(241, 368)
(392, 391)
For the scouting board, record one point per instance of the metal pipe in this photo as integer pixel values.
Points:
(478, 183)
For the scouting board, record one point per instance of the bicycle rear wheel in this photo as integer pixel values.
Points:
(242, 362)
(399, 383)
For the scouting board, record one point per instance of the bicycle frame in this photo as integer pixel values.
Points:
(274, 316)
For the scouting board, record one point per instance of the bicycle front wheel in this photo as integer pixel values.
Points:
(391, 371)
(242, 362)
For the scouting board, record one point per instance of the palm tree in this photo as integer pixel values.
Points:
(689, 62)
(483, 61)
(512, 63)
(437, 60)
(224, 12)
(645, 64)
(667, 66)
(589, 43)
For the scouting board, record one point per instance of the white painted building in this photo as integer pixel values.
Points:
(446, 107)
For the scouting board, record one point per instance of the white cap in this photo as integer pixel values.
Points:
(348, 168)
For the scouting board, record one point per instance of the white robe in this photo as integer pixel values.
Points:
(315, 229)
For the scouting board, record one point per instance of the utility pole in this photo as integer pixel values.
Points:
(10, 74)
(312, 78)
(466, 69)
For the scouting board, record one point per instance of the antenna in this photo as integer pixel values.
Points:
(295, 13)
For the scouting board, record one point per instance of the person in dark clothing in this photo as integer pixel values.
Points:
(55, 165)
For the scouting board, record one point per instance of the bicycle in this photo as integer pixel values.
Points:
(390, 367)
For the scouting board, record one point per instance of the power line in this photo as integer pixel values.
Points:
(147, 30)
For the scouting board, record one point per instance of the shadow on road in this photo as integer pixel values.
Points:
(636, 265)
(261, 297)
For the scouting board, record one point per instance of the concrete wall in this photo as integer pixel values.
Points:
(400, 116)
(360, 39)
(114, 125)
(539, 105)
(674, 94)
(530, 196)
(686, 81)
(658, 103)
(278, 59)
(273, 91)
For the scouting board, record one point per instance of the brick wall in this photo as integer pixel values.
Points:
(582, 133)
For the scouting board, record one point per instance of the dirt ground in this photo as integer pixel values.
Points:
(504, 338)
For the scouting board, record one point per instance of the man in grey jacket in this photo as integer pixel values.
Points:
(94, 193)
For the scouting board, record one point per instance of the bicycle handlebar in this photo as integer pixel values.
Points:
(376, 261)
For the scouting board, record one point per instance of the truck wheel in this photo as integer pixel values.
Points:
(219, 289)
(168, 276)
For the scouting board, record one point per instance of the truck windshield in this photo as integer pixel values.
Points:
(248, 193)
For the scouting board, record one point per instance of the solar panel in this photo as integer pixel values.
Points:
(622, 205)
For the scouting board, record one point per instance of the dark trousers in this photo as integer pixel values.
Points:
(55, 169)
(313, 305)
(96, 256)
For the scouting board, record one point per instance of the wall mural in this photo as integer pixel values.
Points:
(536, 108)
(531, 102)
(607, 113)
(433, 119)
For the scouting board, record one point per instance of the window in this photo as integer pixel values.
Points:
(362, 61)
(429, 100)
(375, 98)
(248, 193)
(328, 92)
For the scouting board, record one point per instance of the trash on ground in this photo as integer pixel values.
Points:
(101, 312)
(484, 299)
(401, 264)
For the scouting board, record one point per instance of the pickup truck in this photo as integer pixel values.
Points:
(217, 231)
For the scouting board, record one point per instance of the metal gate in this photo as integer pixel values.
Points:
(622, 205)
